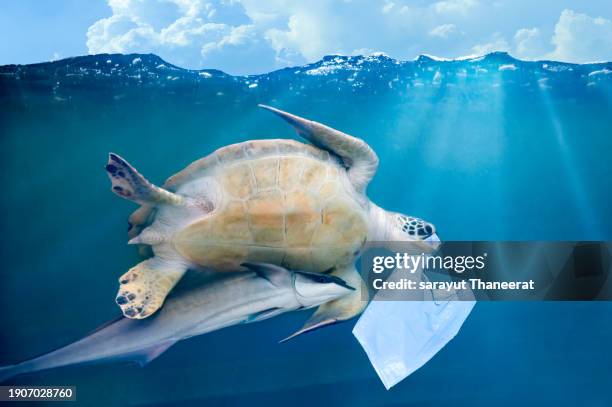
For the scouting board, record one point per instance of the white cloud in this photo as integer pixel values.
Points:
(581, 38)
(304, 34)
(388, 7)
(191, 33)
(454, 6)
(577, 38)
(306, 31)
(529, 43)
(253, 36)
(247, 36)
(237, 36)
(496, 43)
(443, 31)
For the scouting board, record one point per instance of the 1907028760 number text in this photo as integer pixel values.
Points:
(34, 393)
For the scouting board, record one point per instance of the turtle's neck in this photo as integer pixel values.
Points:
(378, 230)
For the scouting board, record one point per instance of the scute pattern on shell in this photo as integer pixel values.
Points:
(226, 155)
(247, 149)
(294, 208)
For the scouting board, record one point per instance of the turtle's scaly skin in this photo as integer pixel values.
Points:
(282, 202)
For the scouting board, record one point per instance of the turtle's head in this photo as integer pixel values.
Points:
(387, 226)
(314, 289)
(408, 228)
(395, 227)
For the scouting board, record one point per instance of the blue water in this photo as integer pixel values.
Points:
(491, 148)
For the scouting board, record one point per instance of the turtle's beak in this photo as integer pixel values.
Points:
(434, 241)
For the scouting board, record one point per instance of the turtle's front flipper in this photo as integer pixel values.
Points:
(339, 310)
(130, 184)
(359, 158)
(144, 287)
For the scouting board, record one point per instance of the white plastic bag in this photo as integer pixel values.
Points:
(401, 336)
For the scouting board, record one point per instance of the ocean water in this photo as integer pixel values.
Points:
(486, 148)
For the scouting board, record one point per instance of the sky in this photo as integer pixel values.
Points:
(257, 36)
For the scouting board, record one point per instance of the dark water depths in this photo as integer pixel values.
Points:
(494, 148)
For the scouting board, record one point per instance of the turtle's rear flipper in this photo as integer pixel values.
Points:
(144, 288)
(358, 157)
(129, 184)
(339, 310)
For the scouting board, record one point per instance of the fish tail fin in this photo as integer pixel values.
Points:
(7, 372)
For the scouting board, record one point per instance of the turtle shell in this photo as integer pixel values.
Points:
(143, 216)
(283, 202)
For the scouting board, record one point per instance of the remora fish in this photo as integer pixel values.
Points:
(261, 293)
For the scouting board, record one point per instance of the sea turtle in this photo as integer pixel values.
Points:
(283, 202)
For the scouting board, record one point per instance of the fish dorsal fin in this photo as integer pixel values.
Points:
(149, 354)
(277, 276)
(128, 183)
